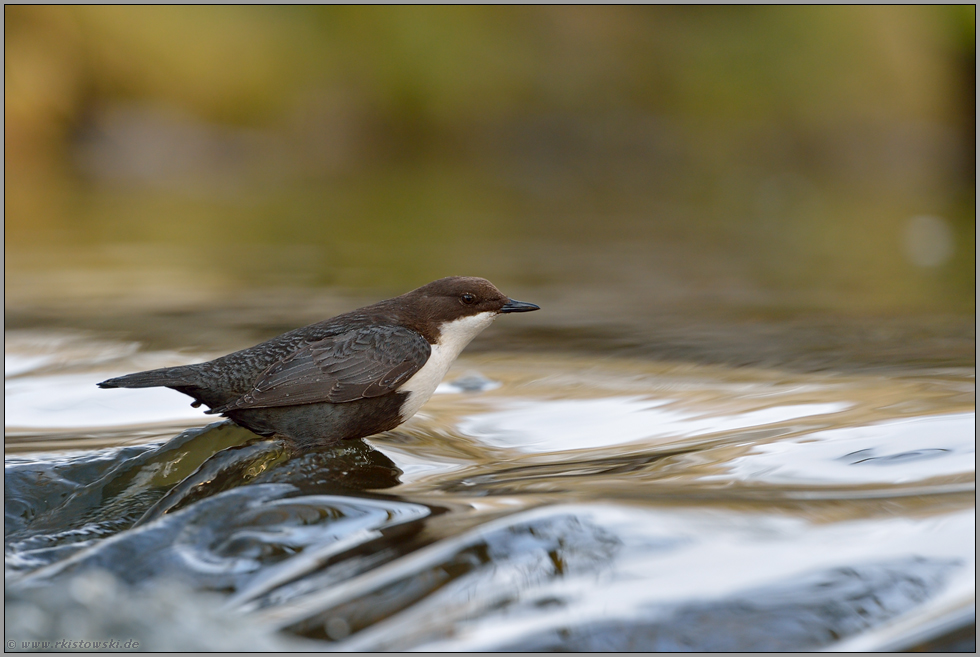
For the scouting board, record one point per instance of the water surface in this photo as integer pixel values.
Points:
(538, 502)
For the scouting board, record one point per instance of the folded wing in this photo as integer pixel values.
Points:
(366, 362)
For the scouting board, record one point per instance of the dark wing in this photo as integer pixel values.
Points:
(364, 362)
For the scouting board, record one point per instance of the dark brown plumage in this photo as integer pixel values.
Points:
(356, 374)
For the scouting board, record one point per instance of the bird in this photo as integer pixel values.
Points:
(351, 376)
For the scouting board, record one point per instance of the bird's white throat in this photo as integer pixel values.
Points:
(453, 338)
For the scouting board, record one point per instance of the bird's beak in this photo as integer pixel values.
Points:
(518, 307)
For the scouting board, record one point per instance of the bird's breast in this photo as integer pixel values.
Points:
(453, 338)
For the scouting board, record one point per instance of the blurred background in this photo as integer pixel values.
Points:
(790, 186)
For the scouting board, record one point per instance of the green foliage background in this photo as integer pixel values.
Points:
(774, 153)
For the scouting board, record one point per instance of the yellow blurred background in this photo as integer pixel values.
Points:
(644, 160)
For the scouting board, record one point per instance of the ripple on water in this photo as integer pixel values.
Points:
(554, 426)
(896, 452)
(622, 577)
(72, 401)
(535, 503)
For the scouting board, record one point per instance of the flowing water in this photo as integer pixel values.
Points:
(541, 500)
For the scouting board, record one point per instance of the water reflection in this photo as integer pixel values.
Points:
(58, 507)
(569, 577)
(69, 401)
(895, 452)
(534, 503)
(815, 610)
(550, 426)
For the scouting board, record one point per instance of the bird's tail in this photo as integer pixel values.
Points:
(169, 377)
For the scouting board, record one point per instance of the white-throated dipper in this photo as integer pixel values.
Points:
(357, 374)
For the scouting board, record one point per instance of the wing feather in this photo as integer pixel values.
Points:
(365, 362)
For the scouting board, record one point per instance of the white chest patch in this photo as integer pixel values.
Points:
(452, 340)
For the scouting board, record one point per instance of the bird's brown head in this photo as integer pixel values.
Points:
(457, 297)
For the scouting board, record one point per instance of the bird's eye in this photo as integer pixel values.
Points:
(468, 298)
